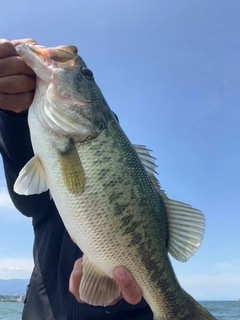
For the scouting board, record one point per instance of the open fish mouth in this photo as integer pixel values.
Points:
(38, 57)
(45, 60)
(59, 54)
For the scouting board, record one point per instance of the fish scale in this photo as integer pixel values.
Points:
(105, 189)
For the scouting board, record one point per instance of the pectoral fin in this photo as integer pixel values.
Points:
(72, 169)
(32, 178)
(96, 287)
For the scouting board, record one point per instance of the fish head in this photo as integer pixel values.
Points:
(67, 97)
(60, 65)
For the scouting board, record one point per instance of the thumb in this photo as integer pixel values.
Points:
(130, 290)
(27, 40)
(75, 279)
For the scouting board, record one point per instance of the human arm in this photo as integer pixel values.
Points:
(17, 85)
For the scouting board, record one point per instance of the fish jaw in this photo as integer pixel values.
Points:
(39, 64)
(42, 59)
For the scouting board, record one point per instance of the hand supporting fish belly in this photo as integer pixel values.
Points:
(130, 291)
(105, 189)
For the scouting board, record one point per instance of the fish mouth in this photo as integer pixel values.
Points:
(63, 56)
(63, 53)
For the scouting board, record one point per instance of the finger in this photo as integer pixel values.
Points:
(20, 41)
(17, 84)
(19, 102)
(131, 292)
(14, 65)
(16, 102)
(7, 49)
(75, 279)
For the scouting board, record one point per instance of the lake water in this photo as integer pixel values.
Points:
(11, 310)
(222, 310)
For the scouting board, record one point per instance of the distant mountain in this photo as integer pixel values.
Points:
(13, 286)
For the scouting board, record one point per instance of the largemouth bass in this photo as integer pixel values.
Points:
(105, 188)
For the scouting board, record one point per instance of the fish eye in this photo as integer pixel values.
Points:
(87, 72)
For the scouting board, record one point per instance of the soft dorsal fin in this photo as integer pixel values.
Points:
(186, 228)
(186, 224)
(96, 287)
(32, 178)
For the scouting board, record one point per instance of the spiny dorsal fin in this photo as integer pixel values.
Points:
(147, 160)
(96, 287)
(32, 178)
(186, 224)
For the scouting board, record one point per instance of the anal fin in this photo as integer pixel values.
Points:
(96, 287)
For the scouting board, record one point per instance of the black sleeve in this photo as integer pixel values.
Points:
(16, 150)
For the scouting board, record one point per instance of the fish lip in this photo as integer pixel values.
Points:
(40, 64)
(60, 54)
(36, 48)
(40, 51)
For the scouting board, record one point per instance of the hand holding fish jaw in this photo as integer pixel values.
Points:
(130, 291)
(17, 80)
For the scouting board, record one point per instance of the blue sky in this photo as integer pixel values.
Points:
(171, 72)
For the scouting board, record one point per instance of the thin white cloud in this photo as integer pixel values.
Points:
(212, 287)
(15, 268)
(226, 266)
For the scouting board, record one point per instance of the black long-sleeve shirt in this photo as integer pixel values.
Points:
(54, 253)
